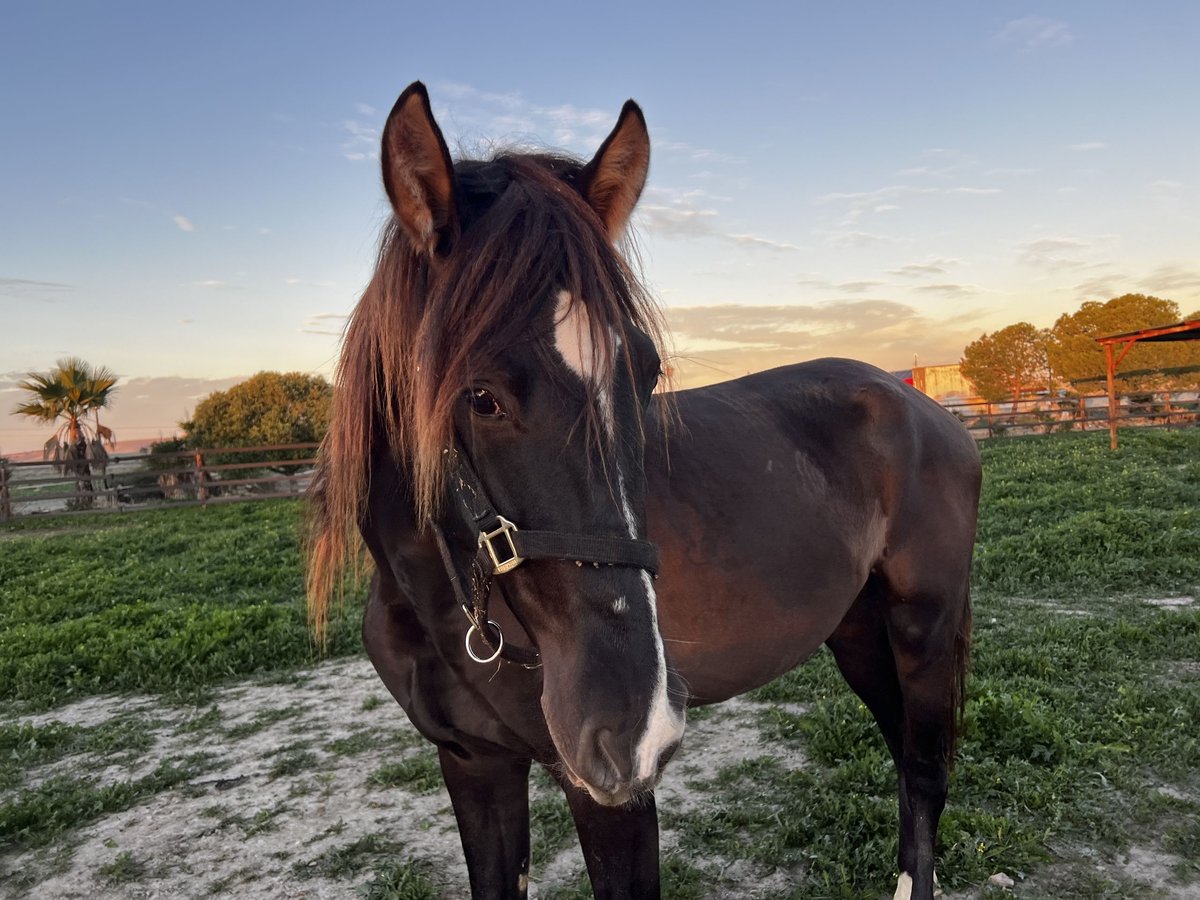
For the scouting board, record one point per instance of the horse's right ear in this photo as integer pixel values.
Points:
(417, 172)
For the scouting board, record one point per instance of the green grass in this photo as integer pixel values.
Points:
(348, 860)
(1063, 515)
(24, 746)
(403, 881)
(159, 601)
(124, 869)
(421, 774)
(1073, 726)
(36, 816)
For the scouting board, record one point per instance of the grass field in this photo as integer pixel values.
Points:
(1079, 773)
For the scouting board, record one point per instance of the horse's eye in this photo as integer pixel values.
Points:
(483, 403)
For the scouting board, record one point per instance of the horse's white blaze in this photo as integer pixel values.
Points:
(573, 336)
(573, 340)
(903, 887)
(664, 726)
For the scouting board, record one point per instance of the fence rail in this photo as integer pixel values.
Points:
(1043, 415)
(145, 480)
(187, 478)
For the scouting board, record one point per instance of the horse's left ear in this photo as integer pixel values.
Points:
(613, 180)
(417, 172)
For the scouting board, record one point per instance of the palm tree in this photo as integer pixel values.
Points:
(66, 395)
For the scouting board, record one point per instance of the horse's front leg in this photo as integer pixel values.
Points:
(490, 796)
(620, 845)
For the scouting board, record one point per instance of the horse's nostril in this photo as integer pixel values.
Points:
(665, 756)
(607, 750)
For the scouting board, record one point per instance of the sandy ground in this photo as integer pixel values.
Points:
(242, 829)
(252, 826)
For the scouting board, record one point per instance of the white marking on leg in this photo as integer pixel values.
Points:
(620, 605)
(903, 887)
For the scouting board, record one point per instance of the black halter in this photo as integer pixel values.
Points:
(501, 546)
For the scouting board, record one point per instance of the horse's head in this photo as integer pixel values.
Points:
(531, 353)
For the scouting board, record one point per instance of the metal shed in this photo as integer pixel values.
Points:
(1180, 331)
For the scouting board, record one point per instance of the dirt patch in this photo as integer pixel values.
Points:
(1171, 602)
(288, 783)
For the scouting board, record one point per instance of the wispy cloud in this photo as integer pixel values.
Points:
(30, 289)
(858, 287)
(891, 197)
(210, 283)
(361, 141)
(1054, 253)
(1174, 279)
(183, 223)
(716, 342)
(1088, 146)
(855, 238)
(325, 323)
(469, 115)
(680, 215)
(1036, 33)
(948, 289)
(930, 268)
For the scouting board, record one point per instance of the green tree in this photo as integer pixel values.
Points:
(1076, 357)
(265, 409)
(64, 397)
(1007, 363)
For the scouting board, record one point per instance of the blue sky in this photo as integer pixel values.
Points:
(190, 194)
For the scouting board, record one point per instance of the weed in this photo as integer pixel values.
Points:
(349, 859)
(293, 762)
(124, 869)
(421, 774)
(402, 881)
(552, 828)
(37, 816)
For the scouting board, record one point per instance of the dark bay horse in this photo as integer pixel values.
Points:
(609, 554)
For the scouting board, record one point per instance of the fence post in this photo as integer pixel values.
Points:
(989, 419)
(201, 490)
(5, 506)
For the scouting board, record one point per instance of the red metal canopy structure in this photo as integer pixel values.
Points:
(1180, 331)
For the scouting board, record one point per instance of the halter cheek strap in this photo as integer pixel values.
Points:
(501, 546)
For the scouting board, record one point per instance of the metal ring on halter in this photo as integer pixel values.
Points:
(500, 646)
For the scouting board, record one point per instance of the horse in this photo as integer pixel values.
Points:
(565, 557)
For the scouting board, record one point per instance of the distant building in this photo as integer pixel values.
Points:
(944, 383)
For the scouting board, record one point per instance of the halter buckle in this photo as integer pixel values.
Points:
(507, 559)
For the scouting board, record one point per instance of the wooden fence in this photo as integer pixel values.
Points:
(1044, 415)
(142, 480)
(187, 478)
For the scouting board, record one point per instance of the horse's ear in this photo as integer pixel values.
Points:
(417, 172)
(613, 180)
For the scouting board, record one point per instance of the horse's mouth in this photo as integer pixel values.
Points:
(621, 795)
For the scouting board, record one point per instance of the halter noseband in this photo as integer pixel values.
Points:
(502, 546)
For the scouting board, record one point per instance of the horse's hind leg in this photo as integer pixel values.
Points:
(863, 652)
(929, 635)
(490, 796)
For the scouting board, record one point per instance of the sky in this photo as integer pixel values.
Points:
(189, 193)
